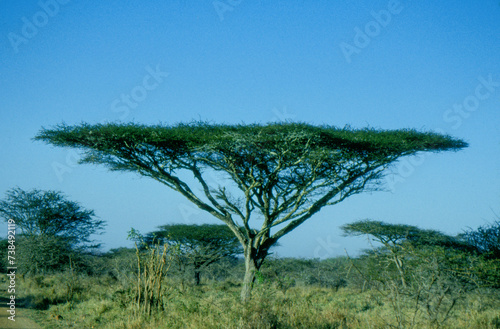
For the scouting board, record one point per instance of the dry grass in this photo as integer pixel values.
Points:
(104, 303)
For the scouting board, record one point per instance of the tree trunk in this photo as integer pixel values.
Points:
(254, 257)
(250, 271)
(399, 265)
(197, 277)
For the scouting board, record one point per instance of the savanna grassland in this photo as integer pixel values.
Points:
(288, 293)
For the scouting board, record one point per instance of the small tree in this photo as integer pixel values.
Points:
(282, 174)
(417, 270)
(199, 245)
(399, 239)
(52, 229)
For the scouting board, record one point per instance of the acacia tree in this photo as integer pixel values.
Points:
(400, 240)
(199, 245)
(431, 271)
(51, 227)
(282, 173)
(486, 238)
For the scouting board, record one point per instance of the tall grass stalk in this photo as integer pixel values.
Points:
(152, 267)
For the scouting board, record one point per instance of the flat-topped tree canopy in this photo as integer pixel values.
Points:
(394, 236)
(274, 165)
(184, 139)
(284, 172)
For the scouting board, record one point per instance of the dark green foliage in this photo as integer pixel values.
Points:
(4, 244)
(41, 254)
(183, 139)
(395, 236)
(52, 232)
(48, 213)
(486, 239)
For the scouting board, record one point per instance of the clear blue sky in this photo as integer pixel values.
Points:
(384, 64)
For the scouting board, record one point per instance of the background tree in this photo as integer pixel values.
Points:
(199, 245)
(486, 239)
(399, 239)
(4, 245)
(424, 269)
(51, 230)
(281, 174)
